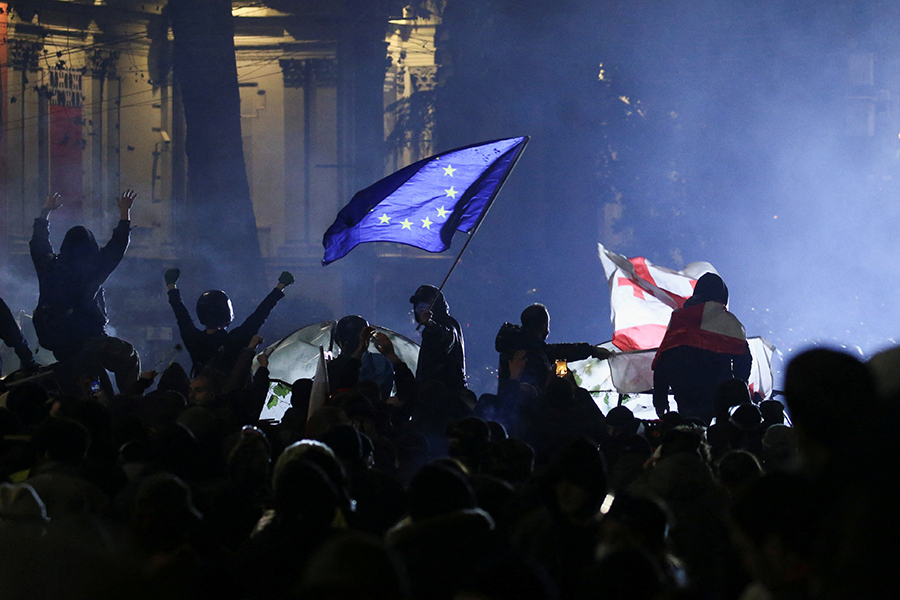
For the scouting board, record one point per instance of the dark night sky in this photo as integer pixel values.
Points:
(747, 153)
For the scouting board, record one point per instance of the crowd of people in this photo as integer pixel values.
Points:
(403, 485)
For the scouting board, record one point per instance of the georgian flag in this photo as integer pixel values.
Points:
(642, 297)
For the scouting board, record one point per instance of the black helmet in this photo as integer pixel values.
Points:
(214, 309)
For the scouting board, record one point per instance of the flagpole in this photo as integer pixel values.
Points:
(481, 217)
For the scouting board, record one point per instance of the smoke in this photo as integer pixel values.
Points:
(760, 137)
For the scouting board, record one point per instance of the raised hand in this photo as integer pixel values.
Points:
(285, 279)
(365, 334)
(385, 346)
(50, 204)
(517, 365)
(171, 276)
(126, 200)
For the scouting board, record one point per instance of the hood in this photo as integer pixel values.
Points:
(79, 242)
(709, 288)
(427, 293)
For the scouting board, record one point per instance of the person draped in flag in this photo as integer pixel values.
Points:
(704, 345)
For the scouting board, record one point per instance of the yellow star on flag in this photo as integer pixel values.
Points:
(451, 193)
(442, 212)
(449, 170)
(384, 219)
(426, 223)
(407, 224)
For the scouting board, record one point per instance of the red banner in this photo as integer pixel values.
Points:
(66, 146)
(66, 137)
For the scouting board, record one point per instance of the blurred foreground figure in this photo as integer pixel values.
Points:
(704, 346)
(12, 337)
(443, 354)
(215, 346)
(70, 319)
(847, 439)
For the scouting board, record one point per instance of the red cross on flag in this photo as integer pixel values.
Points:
(642, 296)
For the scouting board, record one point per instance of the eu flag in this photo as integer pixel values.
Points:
(422, 205)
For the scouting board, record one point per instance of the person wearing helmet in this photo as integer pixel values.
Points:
(70, 318)
(213, 345)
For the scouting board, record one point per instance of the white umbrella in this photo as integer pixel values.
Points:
(296, 356)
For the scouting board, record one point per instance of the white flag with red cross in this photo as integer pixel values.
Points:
(642, 297)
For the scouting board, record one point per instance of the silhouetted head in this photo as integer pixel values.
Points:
(214, 309)
(709, 288)
(827, 392)
(438, 490)
(164, 512)
(355, 564)
(428, 295)
(346, 332)
(62, 440)
(78, 243)
(536, 320)
(577, 480)
(304, 490)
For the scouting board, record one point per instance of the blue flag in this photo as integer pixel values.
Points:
(424, 204)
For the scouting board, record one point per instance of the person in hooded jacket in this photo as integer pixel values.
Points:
(213, 345)
(70, 319)
(704, 346)
(442, 356)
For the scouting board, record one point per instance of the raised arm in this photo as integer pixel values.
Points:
(41, 249)
(250, 327)
(186, 325)
(576, 351)
(50, 204)
(114, 250)
(403, 376)
(125, 202)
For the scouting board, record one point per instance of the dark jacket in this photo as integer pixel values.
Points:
(219, 349)
(540, 356)
(442, 356)
(72, 306)
(694, 376)
(704, 346)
